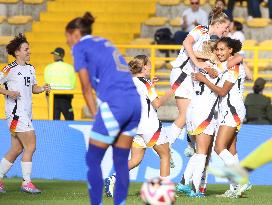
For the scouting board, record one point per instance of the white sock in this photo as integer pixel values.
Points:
(166, 177)
(26, 170)
(227, 157)
(5, 165)
(188, 173)
(198, 170)
(173, 133)
(236, 159)
(233, 186)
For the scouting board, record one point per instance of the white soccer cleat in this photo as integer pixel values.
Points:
(234, 173)
(109, 185)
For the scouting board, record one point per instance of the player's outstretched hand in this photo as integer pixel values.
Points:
(14, 94)
(47, 88)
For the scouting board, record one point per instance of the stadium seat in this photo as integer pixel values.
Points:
(4, 40)
(266, 43)
(142, 41)
(18, 20)
(9, 1)
(249, 43)
(262, 65)
(187, 2)
(33, 1)
(176, 22)
(156, 21)
(2, 19)
(159, 64)
(258, 22)
(169, 2)
(239, 19)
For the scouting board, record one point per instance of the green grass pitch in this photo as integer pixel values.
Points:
(75, 193)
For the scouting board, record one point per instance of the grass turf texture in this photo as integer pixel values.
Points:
(75, 193)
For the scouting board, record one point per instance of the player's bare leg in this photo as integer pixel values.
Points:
(6, 163)
(164, 154)
(28, 140)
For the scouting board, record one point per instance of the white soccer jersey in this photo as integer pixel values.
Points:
(231, 107)
(19, 78)
(200, 35)
(150, 126)
(202, 112)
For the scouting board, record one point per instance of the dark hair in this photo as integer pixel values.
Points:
(84, 24)
(137, 63)
(238, 26)
(15, 44)
(217, 16)
(236, 45)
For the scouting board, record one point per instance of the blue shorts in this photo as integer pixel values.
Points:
(116, 117)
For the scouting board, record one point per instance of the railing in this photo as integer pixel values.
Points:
(153, 57)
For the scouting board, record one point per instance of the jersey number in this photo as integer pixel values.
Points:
(201, 85)
(27, 81)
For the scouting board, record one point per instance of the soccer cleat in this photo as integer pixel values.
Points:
(192, 194)
(229, 194)
(109, 185)
(2, 187)
(189, 151)
(30, 188)
(234, 173)
(183, 188)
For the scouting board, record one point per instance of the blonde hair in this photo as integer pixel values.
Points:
(137, 63)
(218, 16)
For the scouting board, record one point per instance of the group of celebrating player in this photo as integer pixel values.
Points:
(208, 94)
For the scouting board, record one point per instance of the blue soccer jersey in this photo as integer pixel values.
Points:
(108, 70)
(119, 108)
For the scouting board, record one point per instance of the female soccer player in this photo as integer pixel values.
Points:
(150, 132)
(19, 81)
(100, 66)
(231, 107)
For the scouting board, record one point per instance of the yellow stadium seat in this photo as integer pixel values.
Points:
(262, 65)
(266, 43)
(2, 19)
(187, 2)
(169, 2)
(17, 20)
(4, 40)
(244, 4)
(249, 43)
(176, 22)
(159, 64)
(239, 19)
(9, 1)
(156, 21)
(258, 22)
(142, 41)
(33, 1)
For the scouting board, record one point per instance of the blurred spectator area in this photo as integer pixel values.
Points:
(127, 22)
